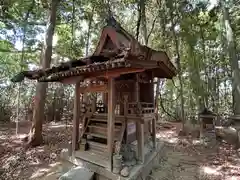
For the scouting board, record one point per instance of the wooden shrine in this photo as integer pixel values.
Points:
(114, 98)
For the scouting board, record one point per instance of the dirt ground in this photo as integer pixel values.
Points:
(191, 159)
(185, 159)
(20, 164)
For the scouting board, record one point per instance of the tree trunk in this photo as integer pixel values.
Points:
(178, 63)
(157, 99)
(59, 104)
(35, 135)
(89, 32)
(195, 80)
(205, 88)
(233, 60)
(53, 106)
(144, 21)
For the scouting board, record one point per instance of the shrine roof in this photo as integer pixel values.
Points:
(86, 70)
(117, 51)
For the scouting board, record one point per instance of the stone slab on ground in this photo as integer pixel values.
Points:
(78, 173)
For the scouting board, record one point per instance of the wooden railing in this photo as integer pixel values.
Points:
(87, 111)
(140, 108)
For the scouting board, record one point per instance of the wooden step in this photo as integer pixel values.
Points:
(104, 120)
(96, 135)
(103, 126)
(101, 129)
(104, 116)
(96, 146)
(102, 136)
(93, 157)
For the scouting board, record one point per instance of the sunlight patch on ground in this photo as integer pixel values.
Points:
(210, 171)
(39, 149)
(19, 136)
(34, 161)
(232, 178)
(197, 142)
(54, 164)
(15, 161)
(59, 125)
(167, 136)
(52, 170)
(228, 172)
(3, 137)
(14, 138)
(9, 161)
(40, 172)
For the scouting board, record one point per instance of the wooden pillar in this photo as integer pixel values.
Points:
(83, 119)
(111, 119)
(75, 133)
(137, 90)
(154, 132)
(156, 113)
(125, 97)
(200, 119)
(139, 126)
(94, 103)
(104, 99)
(140, 141)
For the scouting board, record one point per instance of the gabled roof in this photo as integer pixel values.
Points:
(116, 50)
(113, 32)
(121, 40)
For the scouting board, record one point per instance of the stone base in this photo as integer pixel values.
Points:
(235, 117)
(137, 172)
(236, 121)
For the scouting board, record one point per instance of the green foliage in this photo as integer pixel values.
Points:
(66, 45)
(202, 42)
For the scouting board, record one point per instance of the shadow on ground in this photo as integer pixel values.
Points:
(191, 159)
(185, 158)
(18, 163)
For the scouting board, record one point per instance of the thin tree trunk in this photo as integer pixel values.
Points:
(205, 88)
(89, 32)
(233, 60)
(157, 99)
(59, 103)
(196, 82)
(35, 135)
(176, 42)
(22, 57)
(139, 19)
(53, 106)
(144, 21)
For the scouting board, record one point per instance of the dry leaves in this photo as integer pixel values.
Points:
(20, 164)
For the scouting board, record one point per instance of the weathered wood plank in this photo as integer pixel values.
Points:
(93, 157)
